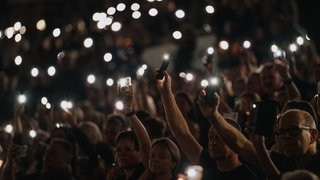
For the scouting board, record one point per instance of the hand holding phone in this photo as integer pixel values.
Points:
(214, 85)
(164, 66)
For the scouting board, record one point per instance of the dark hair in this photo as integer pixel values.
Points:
(67, 146)
(117, 120)
(129, 135)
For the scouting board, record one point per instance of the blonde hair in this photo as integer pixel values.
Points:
(91, 130)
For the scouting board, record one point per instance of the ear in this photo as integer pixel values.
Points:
(314, 135)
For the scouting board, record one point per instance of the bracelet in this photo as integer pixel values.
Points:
(288, 81)
(131, 113)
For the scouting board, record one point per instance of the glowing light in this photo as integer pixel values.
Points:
(116, 26)
(41, 25)
(61, 55)
(109, 82)
(224, 45)
(66, 104)
(274, 48)
(22, 30)
(48, 105)
(107, 57)
(135, 7)
(121, 7)
(9, 32)
(32, 133)
(204, 83)
(119, 105)
(180, 14)
(34, 72)
(44, 100)
(300, 40)
(17, 37)
(177, 35)
(153, 12)
(18, 60)
(51, 71)
(136, 14)
(8, 128)
(307, 37)
(207, 27)
(111, 10)
(246, 44)
(209, 9)
(17, 26)
(293, 47)
(22, 98)
(91, 79)
(88, 42)
(189, 77)
(56, 32)
(210, 50)
(1, 34)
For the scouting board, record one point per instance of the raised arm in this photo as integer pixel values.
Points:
(177, 124)
(139, 129)
(230, 135)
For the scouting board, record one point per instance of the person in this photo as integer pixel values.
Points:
(56, 162)
(297, 138)
(219, 162)
(299, 174)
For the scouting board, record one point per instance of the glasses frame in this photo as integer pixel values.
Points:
(291, 131)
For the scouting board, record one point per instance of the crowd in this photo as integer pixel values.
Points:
(246, 112)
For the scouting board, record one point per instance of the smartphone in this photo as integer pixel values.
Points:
(124, 85)
(214, 85)
(264, 115)
(163, 67)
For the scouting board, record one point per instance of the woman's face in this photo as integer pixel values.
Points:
(127, 156)
(160, 160)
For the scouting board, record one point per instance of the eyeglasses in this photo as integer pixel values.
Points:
(291, 131)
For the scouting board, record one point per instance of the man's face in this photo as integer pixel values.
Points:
(271, 80)
(293, 137)
(217, 148)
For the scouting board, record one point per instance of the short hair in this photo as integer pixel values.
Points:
(129, 135)
(308, 120)
(91, 130)
(299, 174)
(67, 147)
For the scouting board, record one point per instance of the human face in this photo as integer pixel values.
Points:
(271, 80)
(217, 148)
(127, 156)
(293, 137)
(160, 160)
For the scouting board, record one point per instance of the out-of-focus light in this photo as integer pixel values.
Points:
(116, 26)
(121, 7)
(97, 16)
(150, 0)
(140, 71)
(209, 9)
(246, 44)
(307, 37)
(153, 12)
(17, 26)
(189, 77)
(109, 82)
(9, 32)
(210, 50)
(32, 133)
(224, 45)
(48, 106)
(293, 47)
(22, 30)
(136, 14)
(22, 98)
(180, 13)
(1, 34)
(207, 27)
(44, 100)
(61, 55)
(34, 72)
(88, 42)
(182, 75)
(66, 105)
(111, 11)
(18, 60)
(274, 48)
(56, 32)
(91, 79)
(214, 81)
(107, 57)
(135, 7)
(204, 83)
(17, 38)
(300, 40)
(144, 66)
(51, 71)
(8, 128)
(177, 35)
(119, 105)
(41, 25)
